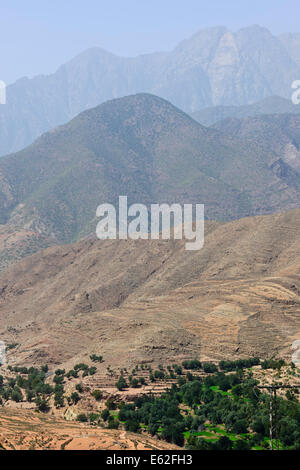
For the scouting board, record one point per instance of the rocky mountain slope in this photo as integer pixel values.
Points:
(213, 67)
(277, 134)
(143, 147)
(152, 301)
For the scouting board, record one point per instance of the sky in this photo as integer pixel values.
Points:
(37, 36)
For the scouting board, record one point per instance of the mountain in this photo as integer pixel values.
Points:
(152, 301)
(143, 147)
(278, 134)
(291, 42)
(140, 146)
(271, 105)
(213, 67)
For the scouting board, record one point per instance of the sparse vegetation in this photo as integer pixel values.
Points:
(206, 407)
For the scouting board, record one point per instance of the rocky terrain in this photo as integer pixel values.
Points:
(25, 430)
(143, 147)
(143, 345)
(153, 301)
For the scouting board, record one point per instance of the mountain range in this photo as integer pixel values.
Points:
(144, 147)
(209, 123)
(152, 301)
(213, 67)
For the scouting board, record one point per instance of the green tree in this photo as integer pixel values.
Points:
(82, 418)
(75, 397)
(97, 394)
(121, 384)
(105, 414)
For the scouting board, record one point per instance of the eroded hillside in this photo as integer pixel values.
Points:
(154, 301)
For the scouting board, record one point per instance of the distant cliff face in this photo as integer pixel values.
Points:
(291, 42)
(213, 67)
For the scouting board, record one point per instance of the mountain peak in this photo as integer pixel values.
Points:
(212, 67)
(256, 28)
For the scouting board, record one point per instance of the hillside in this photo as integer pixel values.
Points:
(152, 301)
(278, 134)
(213, 67)
(25, 430)
(270, 105)
(143, 147)
(140, 146)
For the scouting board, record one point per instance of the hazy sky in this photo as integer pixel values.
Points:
(39, 35)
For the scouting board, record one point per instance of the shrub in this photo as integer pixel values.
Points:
(159, 374)
(210, 368)
(190, 365)
(242, 444)
(75, 397)
(92, 370)
(95, 358)
(121, 384)
(105, 414)
(82, 418)
(97, 394)
(93, 417)
(110, 404)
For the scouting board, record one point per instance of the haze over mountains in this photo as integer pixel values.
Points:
(291, 42)
(144, 147)
(271, 105)
(213, 67)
